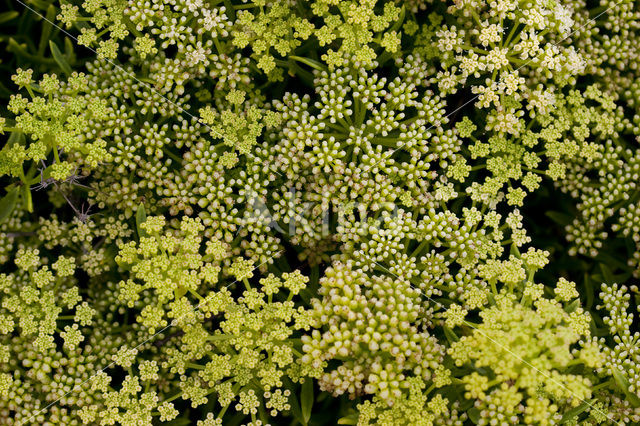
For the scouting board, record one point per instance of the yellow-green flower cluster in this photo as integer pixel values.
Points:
(50, 139)
(368, 142)
(622, 360)
(520, 357)
(503, 49)
(251, 343)
(30, 305)
(49, 329)
(375, 326)
(167, 267)
(563, 133)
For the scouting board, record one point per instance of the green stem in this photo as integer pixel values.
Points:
(176, 396)
(193, 365)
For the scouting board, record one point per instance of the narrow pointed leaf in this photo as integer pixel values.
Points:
(141, 217)
(7, 16)
(623, 384)
(607, 274)
(8, 203)
(306, 400)
(68, 51)
(59, 58)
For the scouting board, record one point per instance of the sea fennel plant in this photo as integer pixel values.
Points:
(316, 213)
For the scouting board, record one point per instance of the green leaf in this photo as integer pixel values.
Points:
(21, 51)
(141, 217)
(572, 306)
(314, 278)
(313, 64)
(306, 295)
(304, 75)
(47, 28)
(46, 173)
(559, 218)
(623, 384)
(59, 58)
(7, 16)
(588, 286)
(575, 412)
(295, 406)
(178, 422)
(396, 26)
(39, 4)
(8, 203)
(607, 274)
(68, 50)
(26, 197)
(180, 291)
(347, 421)
(4, 92)
(474, 415)
(230, 10)
(611, 261)
(16, 137)
(306, 399)
(450, 335)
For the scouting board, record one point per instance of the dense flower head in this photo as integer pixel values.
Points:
(503, 46)
(368, 141)
(377, 326)
(622, 359)
(564, 132)
(51, 130)
(51, 324)
(515, 382)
